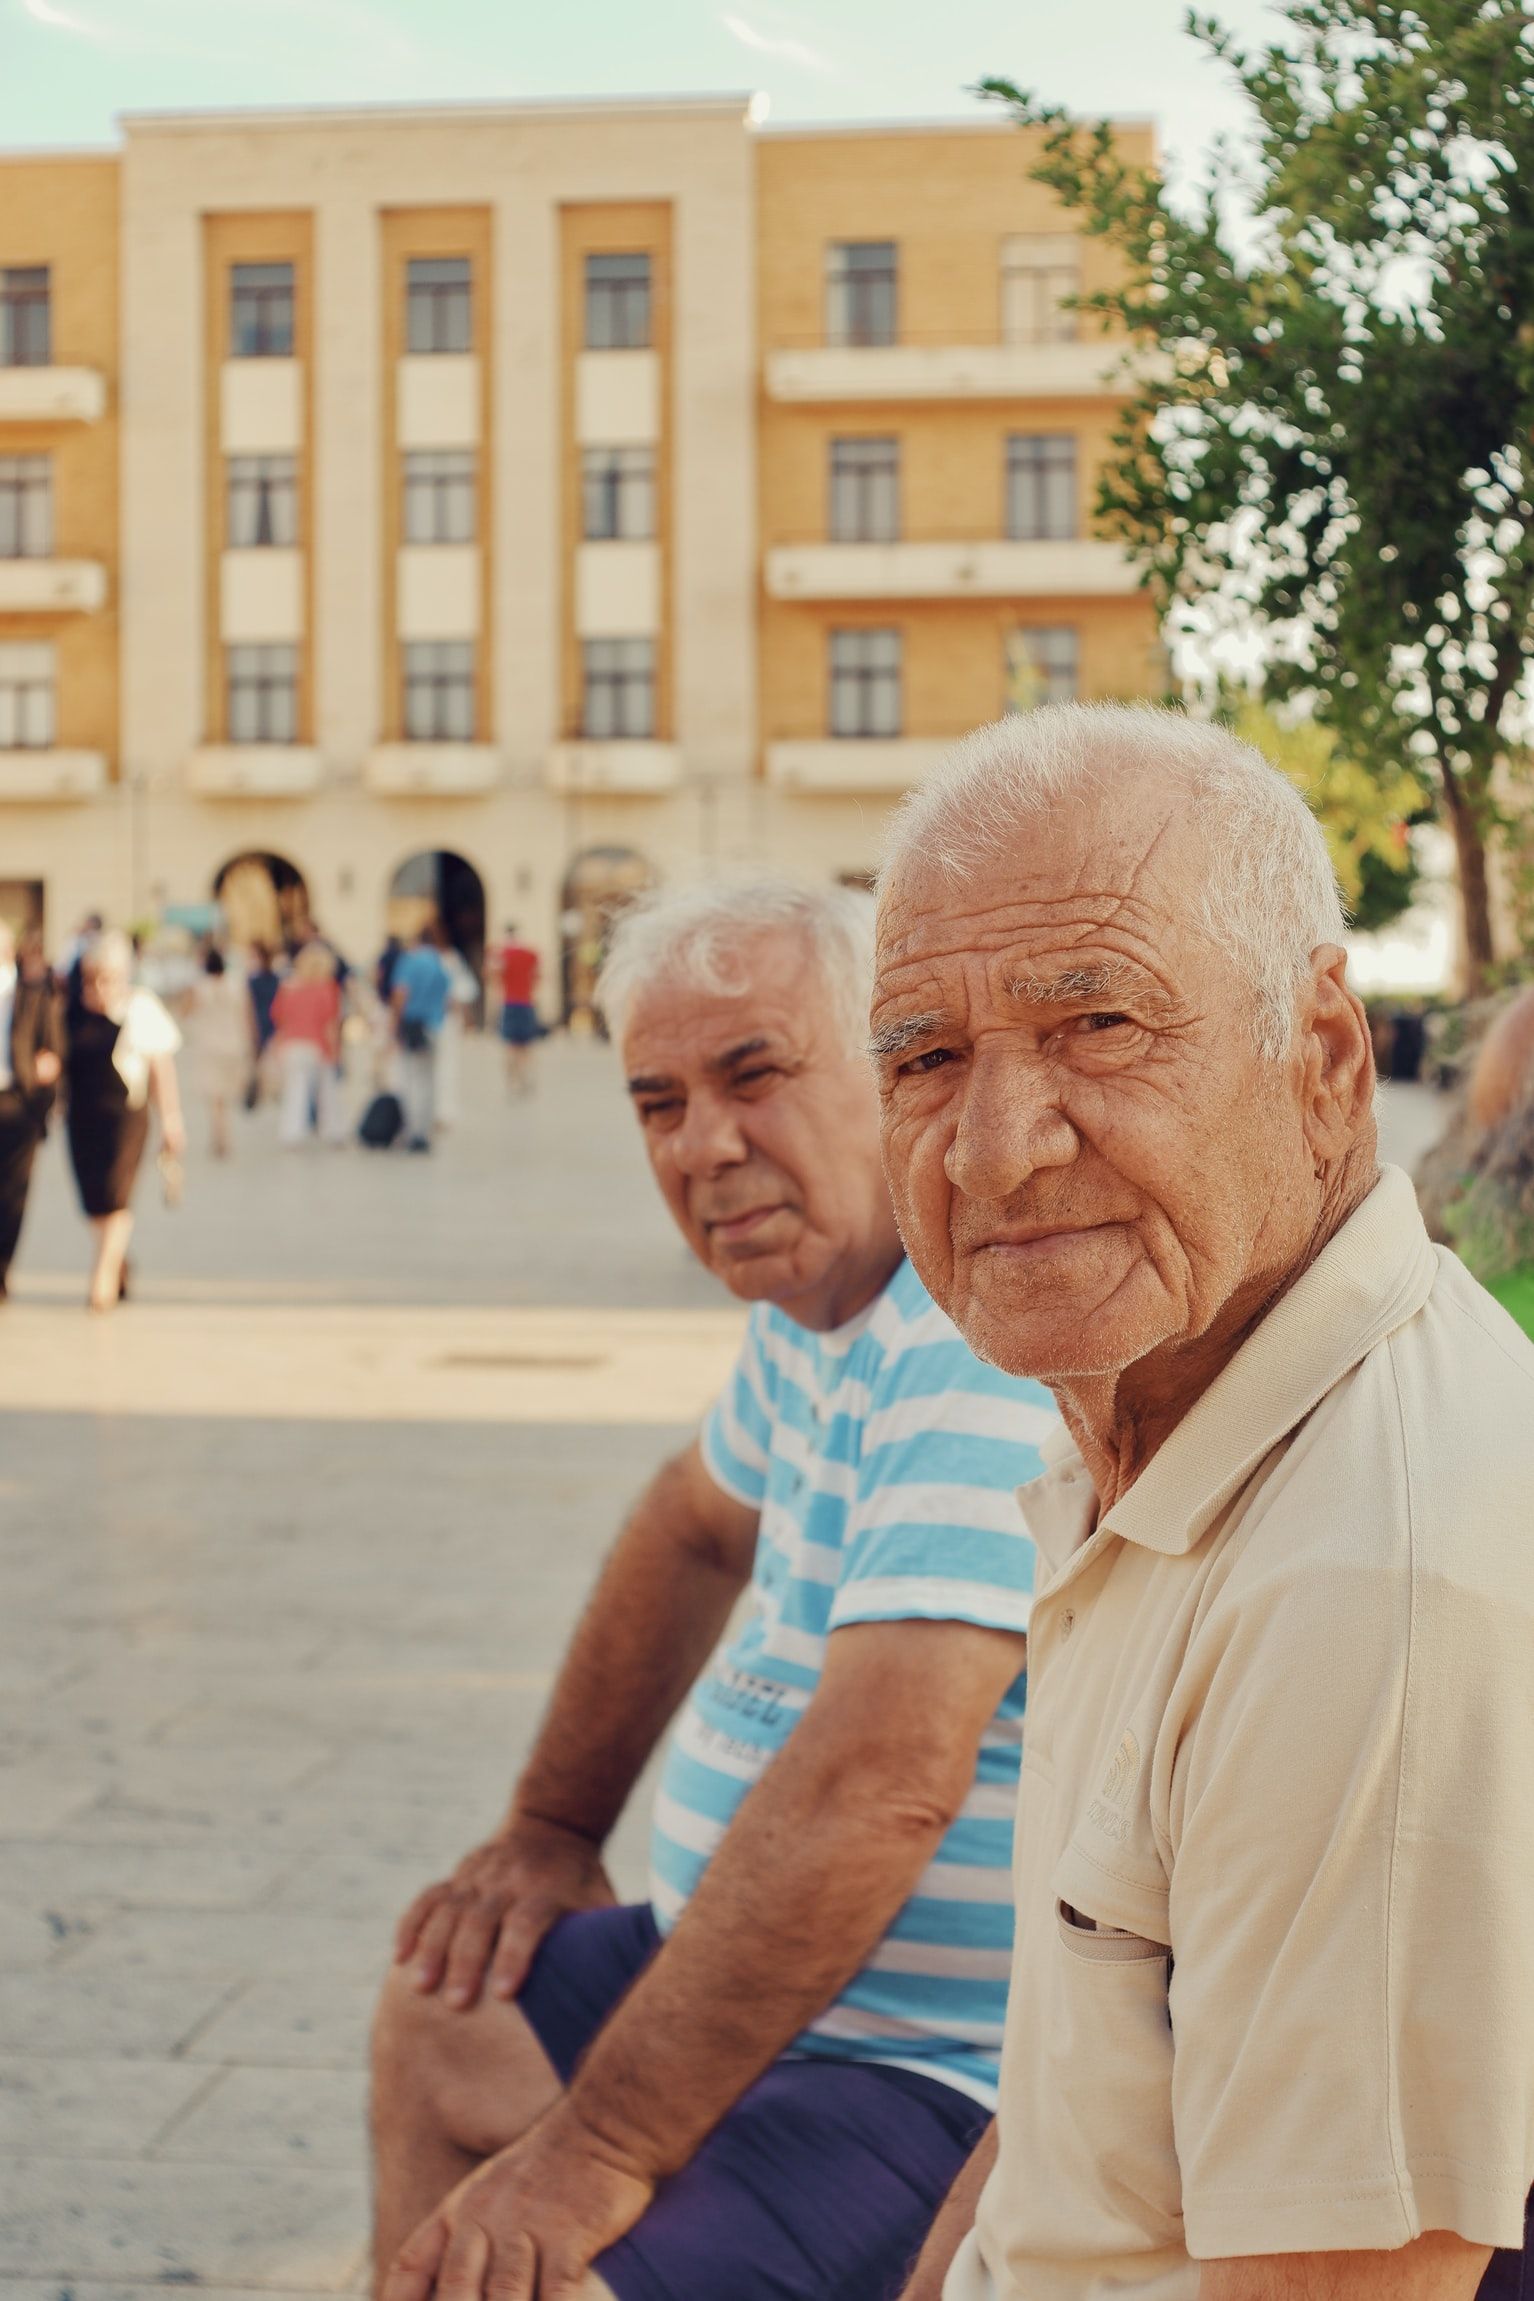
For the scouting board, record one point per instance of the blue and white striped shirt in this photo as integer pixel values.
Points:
(884, 1459)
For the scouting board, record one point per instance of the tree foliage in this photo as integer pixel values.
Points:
(1332, 439)
(1366, 815)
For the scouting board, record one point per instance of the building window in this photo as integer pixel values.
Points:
(617, 303)
(1043, 665)
(261, 311)
(618, 494)
(26, 506)
(865, 683)
(262, 694)
(26, 330)
(860, 292)
(1040, 272)
(439, 314)
(1041, 487)
(27, 681)
(263, 502)
(441, 504)
(440, 703)
(865, 490)
(618, 689)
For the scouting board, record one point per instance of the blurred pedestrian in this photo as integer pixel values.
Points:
(261, 984)
(31, 1048)
(420, 999)
(306, 1018)
(518, 965)
(120, 1051)
(220, 1030)
(463, 994)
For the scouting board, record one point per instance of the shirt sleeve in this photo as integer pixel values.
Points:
(153, 1030)
(736, 1439)
(935, 1532)
(1351, 1817)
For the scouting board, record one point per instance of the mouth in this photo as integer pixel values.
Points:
(729, 1229)
(1035, 1242)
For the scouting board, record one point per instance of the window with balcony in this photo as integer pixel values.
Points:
(1040, 273)
(263, 502)
(261, 694)
(865, 683)
(865, 491)
(861, 278)
(1041, 487)
(26, 316)
(261, 311)
(26, 507)
(441, 495)
(617, 303)
(439, 310)
(618, 690)
(440, 701)
(28, 679)
(618, 494)
(1043, 665)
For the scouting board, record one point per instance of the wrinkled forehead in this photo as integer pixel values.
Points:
(1125, 875)
(770, 999)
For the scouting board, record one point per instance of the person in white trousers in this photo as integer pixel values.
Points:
(306, 1017)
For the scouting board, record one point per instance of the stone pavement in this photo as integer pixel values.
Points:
(288, 1550)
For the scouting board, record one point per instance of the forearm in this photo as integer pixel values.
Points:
(953, 2223)
(167, 1093)
(751, 1963)
(658, 1610)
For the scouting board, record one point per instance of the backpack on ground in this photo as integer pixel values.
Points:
(381, 1122)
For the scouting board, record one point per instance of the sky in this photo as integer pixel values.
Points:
(68, 67)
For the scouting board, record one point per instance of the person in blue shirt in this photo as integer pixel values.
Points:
(419, 996)
(759, 2081)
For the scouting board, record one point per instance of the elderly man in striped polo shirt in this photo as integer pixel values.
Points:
(760, 2082)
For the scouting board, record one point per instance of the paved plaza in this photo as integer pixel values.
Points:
(288, 1549)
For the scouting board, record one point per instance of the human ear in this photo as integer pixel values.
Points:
(1338, 1057)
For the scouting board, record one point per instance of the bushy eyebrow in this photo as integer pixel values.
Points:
(898, 1038)
(1105, 979)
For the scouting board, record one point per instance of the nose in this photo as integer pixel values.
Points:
(1010, 1124)
(708, 1138)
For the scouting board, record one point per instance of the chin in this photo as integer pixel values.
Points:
(1047, 1345)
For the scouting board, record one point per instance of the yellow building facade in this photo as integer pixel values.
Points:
(521, 503)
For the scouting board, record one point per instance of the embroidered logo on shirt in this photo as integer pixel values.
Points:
(1109, 1810)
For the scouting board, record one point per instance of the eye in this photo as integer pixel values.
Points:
(664, 1110)
(755, 1076)
(931, 1059)
(1105, 1022)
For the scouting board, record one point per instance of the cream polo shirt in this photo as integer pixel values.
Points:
(1273, 1989)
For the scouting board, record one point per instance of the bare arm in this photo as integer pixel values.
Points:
(656, 1613)
(953, 2223)
(1436, 2267)
(843, 1824)
(166, 1094)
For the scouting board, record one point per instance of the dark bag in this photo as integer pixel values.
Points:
(381, 1122)
(414, 1037)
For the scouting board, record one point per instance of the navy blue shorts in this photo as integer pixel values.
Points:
(821, 2183)
(520, 1026)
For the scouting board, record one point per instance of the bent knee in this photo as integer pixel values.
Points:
(477, 2074)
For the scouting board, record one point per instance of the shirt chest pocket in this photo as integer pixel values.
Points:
(1109, 2051)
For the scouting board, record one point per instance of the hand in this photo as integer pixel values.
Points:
(46, 1067)
(173, 1135)
(487, 1919)
(530, 2221)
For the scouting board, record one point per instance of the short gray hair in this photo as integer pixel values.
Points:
(698, 934)
(1270, 895)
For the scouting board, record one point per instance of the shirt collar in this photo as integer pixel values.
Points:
(1368, 1280)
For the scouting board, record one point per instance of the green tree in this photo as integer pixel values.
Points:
(1366, 815)
(1331, 438)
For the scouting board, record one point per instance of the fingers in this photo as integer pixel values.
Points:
(521, 1932)
(416, 2264)
(408, 1932)
(469, 1952)
(461, 2274)
(431, 1950)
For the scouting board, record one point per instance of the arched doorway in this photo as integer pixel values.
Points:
(264, 900)
(598, 885)
(440, 888)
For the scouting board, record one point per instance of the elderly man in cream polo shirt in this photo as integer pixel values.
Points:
(1271, 2027)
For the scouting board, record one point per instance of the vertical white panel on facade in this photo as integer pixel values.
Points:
(348, 328)
(438, 591)
(617, 398)
(438, 400)
(617, 590)
(262, 407)
(261, 595)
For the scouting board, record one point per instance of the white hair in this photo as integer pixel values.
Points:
(108, 952)
(700, 934)
(1269, 894)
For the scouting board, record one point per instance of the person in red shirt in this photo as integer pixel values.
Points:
(521, 1030)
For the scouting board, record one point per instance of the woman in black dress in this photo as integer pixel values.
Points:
(121, 1049)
